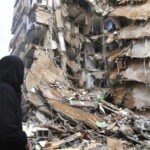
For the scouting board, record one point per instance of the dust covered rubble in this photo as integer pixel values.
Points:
(87, 67)
(61, 116)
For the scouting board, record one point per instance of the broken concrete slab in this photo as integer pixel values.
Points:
(81, 104)
(137, 12)
(41, 15)
(139, 49)
(134, 32)
(38, 102)
(114, 144)
(67, 110)
(75, 113)
(137, 72)
(132, 97)
(53, 94)
(122, 2)
(43, 67)
(64, 141)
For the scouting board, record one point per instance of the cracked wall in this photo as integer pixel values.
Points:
(89, 44)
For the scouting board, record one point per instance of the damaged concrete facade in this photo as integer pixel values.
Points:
(81, 58)
(95, 44)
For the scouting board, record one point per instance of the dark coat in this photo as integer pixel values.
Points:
(11, 78)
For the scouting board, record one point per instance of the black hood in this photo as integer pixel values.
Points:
(12, 72)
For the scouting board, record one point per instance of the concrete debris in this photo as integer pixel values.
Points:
(134, 51)
(114, 144)
(87, 72)
(36, 100)
(134, 32)
(137, 72)
(141, 12)
(121, 2)
(64, 141)
(132, 97)
(45, 68)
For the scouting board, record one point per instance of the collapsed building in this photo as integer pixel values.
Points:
(96, 44)
(69, 46)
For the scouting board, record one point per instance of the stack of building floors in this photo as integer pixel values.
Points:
(101, 46)
(96, 44)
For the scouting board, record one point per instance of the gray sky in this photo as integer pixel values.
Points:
(6, 13)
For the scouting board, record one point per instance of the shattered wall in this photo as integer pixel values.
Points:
(132, 64)
(86, 44)
(81, 57)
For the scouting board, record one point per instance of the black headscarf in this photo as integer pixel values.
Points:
(11, 78)
(12, 72)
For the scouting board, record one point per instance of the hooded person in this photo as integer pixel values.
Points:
(12, 136)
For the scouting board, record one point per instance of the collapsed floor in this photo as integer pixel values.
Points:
(87, 74)
(77, 118)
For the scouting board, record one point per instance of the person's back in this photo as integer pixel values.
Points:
(11, 77)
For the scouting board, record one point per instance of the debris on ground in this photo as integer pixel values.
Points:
(87, 73)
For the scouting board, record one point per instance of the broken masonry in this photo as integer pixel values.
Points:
(84, 60)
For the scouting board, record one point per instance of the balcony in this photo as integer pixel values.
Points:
(19, 37)
(19, 11)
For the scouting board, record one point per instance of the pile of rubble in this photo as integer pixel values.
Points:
(62, 117)
(65, 118)
(85, 60)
